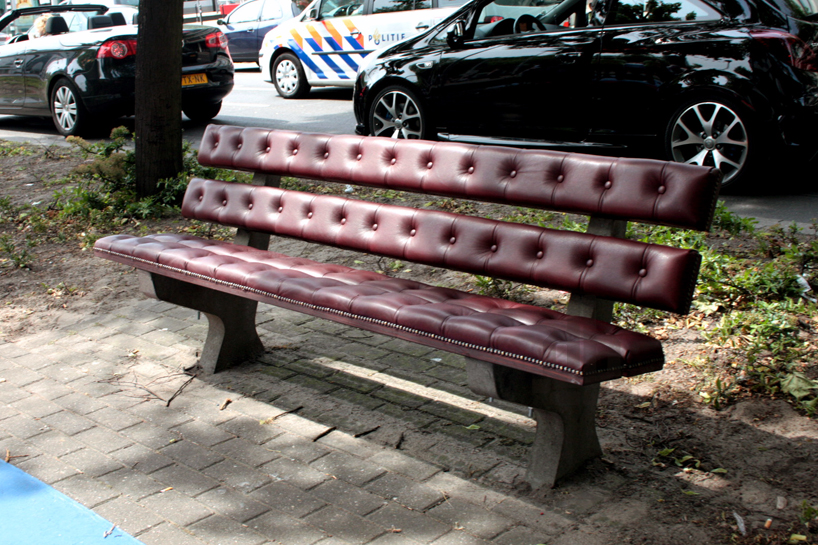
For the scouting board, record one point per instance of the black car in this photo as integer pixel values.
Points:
(76, 64)
(725, 83)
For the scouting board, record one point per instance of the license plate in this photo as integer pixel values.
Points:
(193, 79)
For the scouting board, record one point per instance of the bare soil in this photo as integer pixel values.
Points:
(756, 459)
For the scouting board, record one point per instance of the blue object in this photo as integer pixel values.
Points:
(33, 513)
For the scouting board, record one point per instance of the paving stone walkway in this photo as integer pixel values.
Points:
(334, 436)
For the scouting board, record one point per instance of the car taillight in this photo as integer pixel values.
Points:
(117, 49)
(790, 48)
(216, 39)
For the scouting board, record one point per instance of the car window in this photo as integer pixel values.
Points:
(340, 8)
(502, 17)
(245, 13)
(386, 6)
(661, 11)
(454, 3)
(271, 10)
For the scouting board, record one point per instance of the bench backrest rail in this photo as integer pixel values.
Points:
(616, 269)
(642, 190)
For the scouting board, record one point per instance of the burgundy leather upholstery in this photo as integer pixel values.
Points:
(642, 190)
(623, 270)
(537, 340)
(534, 339)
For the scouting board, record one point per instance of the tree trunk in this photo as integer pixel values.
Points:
(158, 106)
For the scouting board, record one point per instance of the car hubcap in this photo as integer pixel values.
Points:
(397, 116)
(710, 134)
(287, 76)
(65, 108)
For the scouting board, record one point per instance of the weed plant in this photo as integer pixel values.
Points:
(755, 294)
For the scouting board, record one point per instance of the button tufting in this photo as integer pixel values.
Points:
(281, 209)
(643, 272)
(359, 156)
(452, 240)
(268, 149)
(589, 263)
(216, 143)
(309, 214)
(471, 170)
(343, 221)
(540, 254)
(326, 154)
(412, 233)
(374, 226)
(513, 174)
(250, 206)
(560, 178)
(224, 202)
(238, 146)
(493, 247)
(608, 184)
(661, 190)
(393, 161)
(201, 197)
(429, 164)
(295, 151)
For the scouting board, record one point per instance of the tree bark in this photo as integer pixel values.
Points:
(158, 105)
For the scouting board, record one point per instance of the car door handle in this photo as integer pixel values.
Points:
(425, 65)
(355, 33)
(18, 63)
(422, 26)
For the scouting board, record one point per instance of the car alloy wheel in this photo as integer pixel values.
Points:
(711, 134)
(396, 113)
(65, 108)
(67, 111)
(289, 77)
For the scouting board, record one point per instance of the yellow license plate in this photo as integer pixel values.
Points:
(193, 79)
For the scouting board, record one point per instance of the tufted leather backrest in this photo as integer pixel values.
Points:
(623, 270)
(643, 190)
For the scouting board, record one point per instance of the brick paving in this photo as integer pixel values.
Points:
(333, 436)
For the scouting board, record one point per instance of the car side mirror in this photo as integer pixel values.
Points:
(456, 35)
(312, 15)
(221, 22)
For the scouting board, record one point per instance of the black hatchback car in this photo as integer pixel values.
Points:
(725, 83)
(76, 64)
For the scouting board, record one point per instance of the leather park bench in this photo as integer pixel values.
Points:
(551, 361)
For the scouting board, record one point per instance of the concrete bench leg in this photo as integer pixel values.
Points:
(231, 335)
(565, 413)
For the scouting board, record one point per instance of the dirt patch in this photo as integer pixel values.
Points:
(674, 470)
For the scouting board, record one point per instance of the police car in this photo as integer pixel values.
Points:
(325, 45)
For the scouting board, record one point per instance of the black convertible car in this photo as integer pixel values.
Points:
(725, 83)
(76, 64)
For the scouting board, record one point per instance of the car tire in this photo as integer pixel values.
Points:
(397, 112)
(202, 112)
(288, 76)
(716, 132)
(67, 110)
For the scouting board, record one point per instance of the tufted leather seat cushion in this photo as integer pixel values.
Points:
(644, 190)
(537, 340)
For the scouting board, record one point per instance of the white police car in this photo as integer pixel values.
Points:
(325, 45)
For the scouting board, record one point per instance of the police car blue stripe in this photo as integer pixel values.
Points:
(353, 42)
(303, 57)
(346, 58)
(329, 62)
